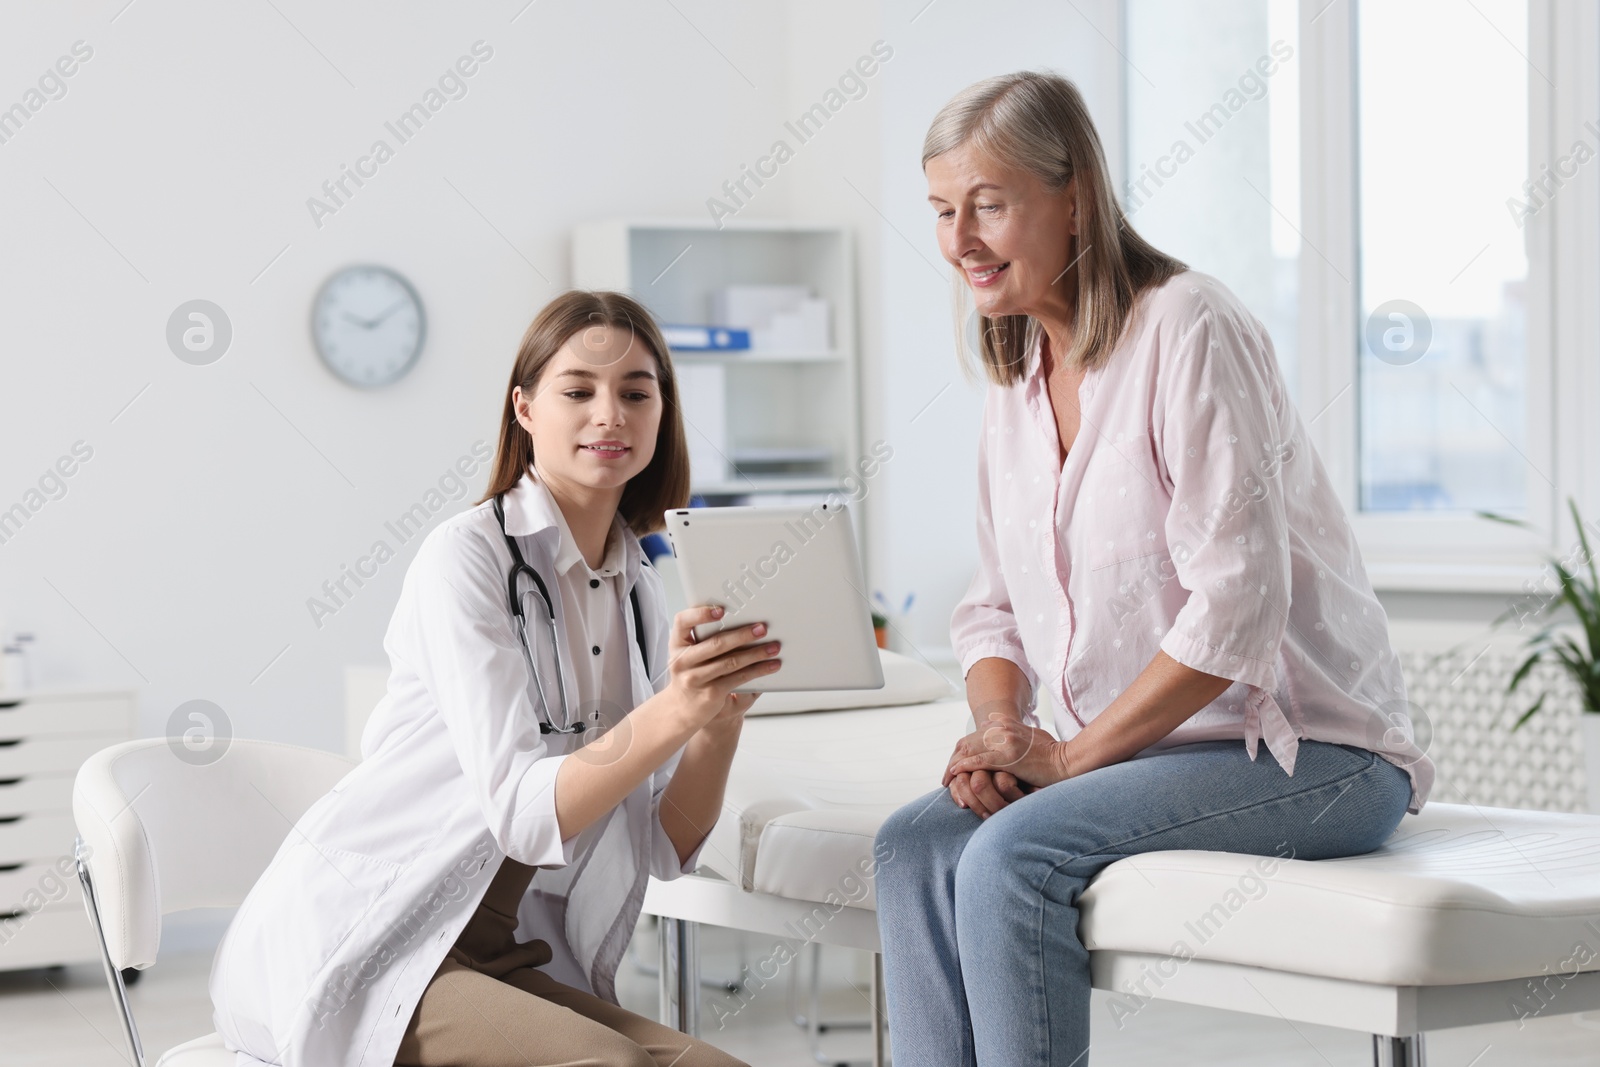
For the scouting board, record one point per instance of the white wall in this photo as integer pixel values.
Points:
(181, 557)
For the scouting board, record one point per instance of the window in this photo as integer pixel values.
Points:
(1442, 121)
(1431, 291)
(1213, 103)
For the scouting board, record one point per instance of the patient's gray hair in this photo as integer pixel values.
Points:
(1037, 121)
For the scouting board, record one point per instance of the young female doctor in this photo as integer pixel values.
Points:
(464, 895)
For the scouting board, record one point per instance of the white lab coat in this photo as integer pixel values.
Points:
(329, 953)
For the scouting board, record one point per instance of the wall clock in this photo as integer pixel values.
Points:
(368, 325)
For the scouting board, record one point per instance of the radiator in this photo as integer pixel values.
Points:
(1455, 683)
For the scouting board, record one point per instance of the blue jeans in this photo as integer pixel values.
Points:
(979, 918)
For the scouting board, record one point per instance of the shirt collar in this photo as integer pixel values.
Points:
(1033, 380)
(1033, 376)
(532, 511)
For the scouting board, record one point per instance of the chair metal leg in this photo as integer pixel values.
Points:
(119, 991)
(680, 976)
(730, 986)
(811, 1020)
(1397, 1051)
(664, 1007)
(880, 1010)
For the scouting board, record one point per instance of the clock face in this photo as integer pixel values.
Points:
(368, 325)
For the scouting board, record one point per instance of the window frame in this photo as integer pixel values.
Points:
(1423, 551)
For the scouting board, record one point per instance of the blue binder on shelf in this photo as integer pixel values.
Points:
(705, 338)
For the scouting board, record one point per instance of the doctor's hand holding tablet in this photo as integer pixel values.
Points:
(706, 672)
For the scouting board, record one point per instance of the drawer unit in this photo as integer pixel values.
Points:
(45, 717)
(36, 792)
(44, 738)
(57, 934)
(36, 838)
(22, 756)
(39, 886)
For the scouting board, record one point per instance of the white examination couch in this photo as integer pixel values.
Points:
(1467, 915)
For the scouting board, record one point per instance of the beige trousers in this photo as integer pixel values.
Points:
(489, 1005)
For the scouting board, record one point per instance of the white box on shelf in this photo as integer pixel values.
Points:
(780, 318)
(802, 329)
(703, 399)
(746, 307)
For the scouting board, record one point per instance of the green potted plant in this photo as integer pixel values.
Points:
(1579, 590)
(880, 619)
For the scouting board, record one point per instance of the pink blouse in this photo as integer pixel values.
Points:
(1193, 516)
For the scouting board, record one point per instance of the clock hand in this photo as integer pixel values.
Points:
(359, 322)
(396, 306)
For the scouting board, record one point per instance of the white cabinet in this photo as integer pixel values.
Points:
(759, 423)
(44, 736)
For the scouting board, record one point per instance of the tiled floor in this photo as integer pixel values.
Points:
(64, 1018)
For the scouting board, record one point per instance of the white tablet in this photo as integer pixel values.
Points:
(794, 567)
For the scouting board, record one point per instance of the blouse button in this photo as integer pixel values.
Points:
(1322, 529)
(1032, 523)
(1205, 396)
(1035, 477)
(1193, 451)
(1239, 539)
(1355, 665)
(1319, 626)
(1233, 659)
(595, 650)
(594, 583)
(1039, 617)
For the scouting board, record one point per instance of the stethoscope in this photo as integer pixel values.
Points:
(519, 567)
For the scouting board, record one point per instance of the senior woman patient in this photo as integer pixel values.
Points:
(1162, 557)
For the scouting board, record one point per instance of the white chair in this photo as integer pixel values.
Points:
(162, 829)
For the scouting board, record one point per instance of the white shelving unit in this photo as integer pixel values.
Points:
(769, 423)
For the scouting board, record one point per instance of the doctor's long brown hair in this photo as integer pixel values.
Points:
(661, 486)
